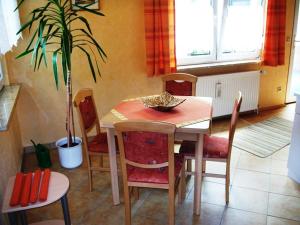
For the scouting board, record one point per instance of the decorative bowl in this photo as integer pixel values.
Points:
(164, 102)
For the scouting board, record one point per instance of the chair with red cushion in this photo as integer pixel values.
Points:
(148, 160)
(216, 149)
(88, 119)
(182, 84)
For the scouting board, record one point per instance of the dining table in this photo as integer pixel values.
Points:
(192, 119)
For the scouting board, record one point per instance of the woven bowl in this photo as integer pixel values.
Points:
(164, 102)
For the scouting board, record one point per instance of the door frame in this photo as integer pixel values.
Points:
(290, 99)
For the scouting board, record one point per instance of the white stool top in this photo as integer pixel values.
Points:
(58, 187)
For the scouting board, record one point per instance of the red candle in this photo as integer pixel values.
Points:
(35, 186)
(26, 190)
(45, 185)
(16, 194)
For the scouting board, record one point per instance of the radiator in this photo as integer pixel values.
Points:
(224, 88)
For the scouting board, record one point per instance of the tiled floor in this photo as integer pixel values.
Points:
(261, 193)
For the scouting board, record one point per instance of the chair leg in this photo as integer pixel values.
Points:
(136, 193)
(127, 206)
(101, 161)
(90, 174)
(171, 206)
(183, 181)
(203, 166)
(227, 184)
(189, 165)
(181, 189)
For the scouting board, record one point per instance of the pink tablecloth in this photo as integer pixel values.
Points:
(191, 111)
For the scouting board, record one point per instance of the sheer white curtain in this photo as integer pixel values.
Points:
(9, 25)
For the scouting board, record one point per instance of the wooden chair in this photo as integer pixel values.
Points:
(148, 160)
(88, 120)
(216, 149)
(180, 84)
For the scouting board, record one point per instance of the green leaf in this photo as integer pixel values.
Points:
(19, 4)
(54, 63)
(100, 50)
(24, 26)
(26, 52)
(40, 60)
(66, 48)
(85, 8)
(65, 67)
(44, 52)
(32, 38)
(84, 20)
(90, 62)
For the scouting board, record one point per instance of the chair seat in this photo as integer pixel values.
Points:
(99, 144)
(213, 147)
(158, 176)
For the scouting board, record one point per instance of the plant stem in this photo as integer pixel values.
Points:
(69, 108)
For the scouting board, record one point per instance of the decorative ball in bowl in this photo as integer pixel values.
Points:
(164, 102)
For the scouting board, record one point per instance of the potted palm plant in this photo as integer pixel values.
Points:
(55, 36)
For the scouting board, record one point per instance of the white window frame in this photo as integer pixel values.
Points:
(216, 55)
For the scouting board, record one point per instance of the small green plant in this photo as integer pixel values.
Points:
(54, 28)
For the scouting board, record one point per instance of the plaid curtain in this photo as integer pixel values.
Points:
(274, 47)
(160, 36)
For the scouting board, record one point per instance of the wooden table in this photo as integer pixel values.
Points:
(193, 132)
(58, 188)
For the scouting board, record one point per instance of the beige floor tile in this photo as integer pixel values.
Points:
(250, 162)
(284, 206)
(279, 167)
(235, 157)
(210, 214)
(251, 179)
(213, 193)
(284, 185)
(155, 206)
(282, 154)
(239, 217)
(218, 168)
(279, 221)
(248, 200)
(139, 220)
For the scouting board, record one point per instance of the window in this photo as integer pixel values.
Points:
(210, 31)
(9, 25)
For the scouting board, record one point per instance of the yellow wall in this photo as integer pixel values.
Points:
(42, 108)
(10, 152)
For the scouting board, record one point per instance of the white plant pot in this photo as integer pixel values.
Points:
(69, 157)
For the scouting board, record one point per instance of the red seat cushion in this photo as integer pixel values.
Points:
(99, 144)
(213, 147)
(158, 176)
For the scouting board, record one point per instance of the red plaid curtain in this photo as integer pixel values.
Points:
(160, 36)
(274, 47)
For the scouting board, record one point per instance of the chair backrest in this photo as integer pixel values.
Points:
(180, 84)
(147, 145)
(234, 119)
(86, 110)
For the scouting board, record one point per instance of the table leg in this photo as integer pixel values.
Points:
(23, 217)
(65, 207)
(13, 219)
(198, 175)
(113, 165)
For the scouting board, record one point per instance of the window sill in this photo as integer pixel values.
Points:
(219, 64)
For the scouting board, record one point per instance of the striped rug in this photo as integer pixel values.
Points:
(264, 138)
